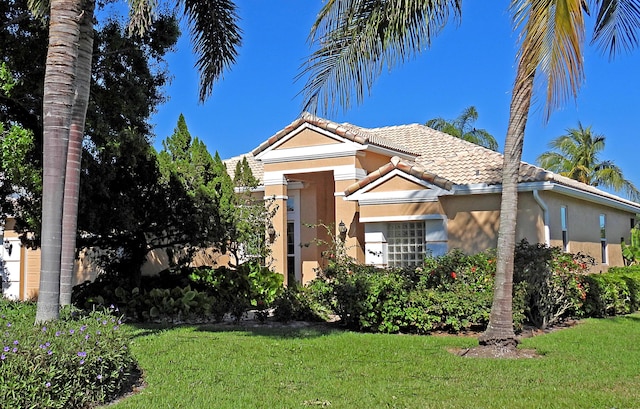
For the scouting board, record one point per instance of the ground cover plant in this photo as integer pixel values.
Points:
(80, 360)
(592, 364)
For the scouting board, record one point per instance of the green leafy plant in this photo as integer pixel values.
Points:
(81, 360)
(555, 282)
(613, 293)
(631, 251)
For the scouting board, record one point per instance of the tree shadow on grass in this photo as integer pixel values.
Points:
(272, 329)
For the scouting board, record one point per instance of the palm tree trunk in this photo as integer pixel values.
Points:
(74, 155)
(57, 104)
(500, 329)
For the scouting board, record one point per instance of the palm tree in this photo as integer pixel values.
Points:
(215, 36)
(575, 155)
(358, 38)
(462, 127)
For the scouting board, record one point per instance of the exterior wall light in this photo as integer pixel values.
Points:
(271, 231)
(342, 229)
(8, 246)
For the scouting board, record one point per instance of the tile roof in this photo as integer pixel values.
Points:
(408, 167)
(441, 158)
(347, 131)
(256, 167)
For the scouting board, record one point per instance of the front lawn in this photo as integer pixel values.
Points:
(592, 365)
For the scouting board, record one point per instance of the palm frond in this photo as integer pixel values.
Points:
(552, 38)
(617, 26)
(141, 15)
(356, 39)
(215, 36)
(39, 8)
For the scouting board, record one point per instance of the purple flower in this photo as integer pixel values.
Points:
(2, 357)
(44, 329)
(99, 377)
(49, 352)
(83, 328)
(14, 350)
(57, 333)
(47, 344)
(82, 362)
(6, 349)
(98, 332)
(15, 342)
(104, 322)
(47, 385)
(86, 337)
(82, 354)
(71, 331)
(8, 324)
(115, 328)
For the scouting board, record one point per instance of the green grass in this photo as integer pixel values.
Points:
(593, 365)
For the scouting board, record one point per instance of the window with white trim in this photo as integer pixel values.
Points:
(437, 238)
(406, 244)
(565, 231)
(603, 238)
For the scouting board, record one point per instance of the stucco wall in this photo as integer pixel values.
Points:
(583, 228)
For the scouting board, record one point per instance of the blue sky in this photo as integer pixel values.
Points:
(469, 64)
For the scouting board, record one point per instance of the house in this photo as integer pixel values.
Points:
(405, 191)
(399, 192)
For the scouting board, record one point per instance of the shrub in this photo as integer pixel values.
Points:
(301, 303)
(613, 293)
(80, 360)
(554, 281)
(185, 294)
(453, 292)
(462, 290)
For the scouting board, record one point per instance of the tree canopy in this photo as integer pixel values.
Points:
(576, 155)
(463, 127)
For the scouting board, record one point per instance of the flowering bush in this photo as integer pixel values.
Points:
(452, 293)
(81, 360)
(555, 282)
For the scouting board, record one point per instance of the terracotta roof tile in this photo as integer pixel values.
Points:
(347, 131)
(408, 167)
(441, 159)
(256, 167)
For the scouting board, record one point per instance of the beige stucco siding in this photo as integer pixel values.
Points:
(394, 211)
(583, 228)
(395, 184)
(371, 161)
(297, 166)
(307, 137)
(473, 221)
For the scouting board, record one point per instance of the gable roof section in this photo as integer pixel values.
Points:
(349, 132)
(407, 167)
(452, 158)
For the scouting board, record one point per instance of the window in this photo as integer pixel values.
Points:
(291, 253)
(563, 223)
(406, 244)
(603, 238)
